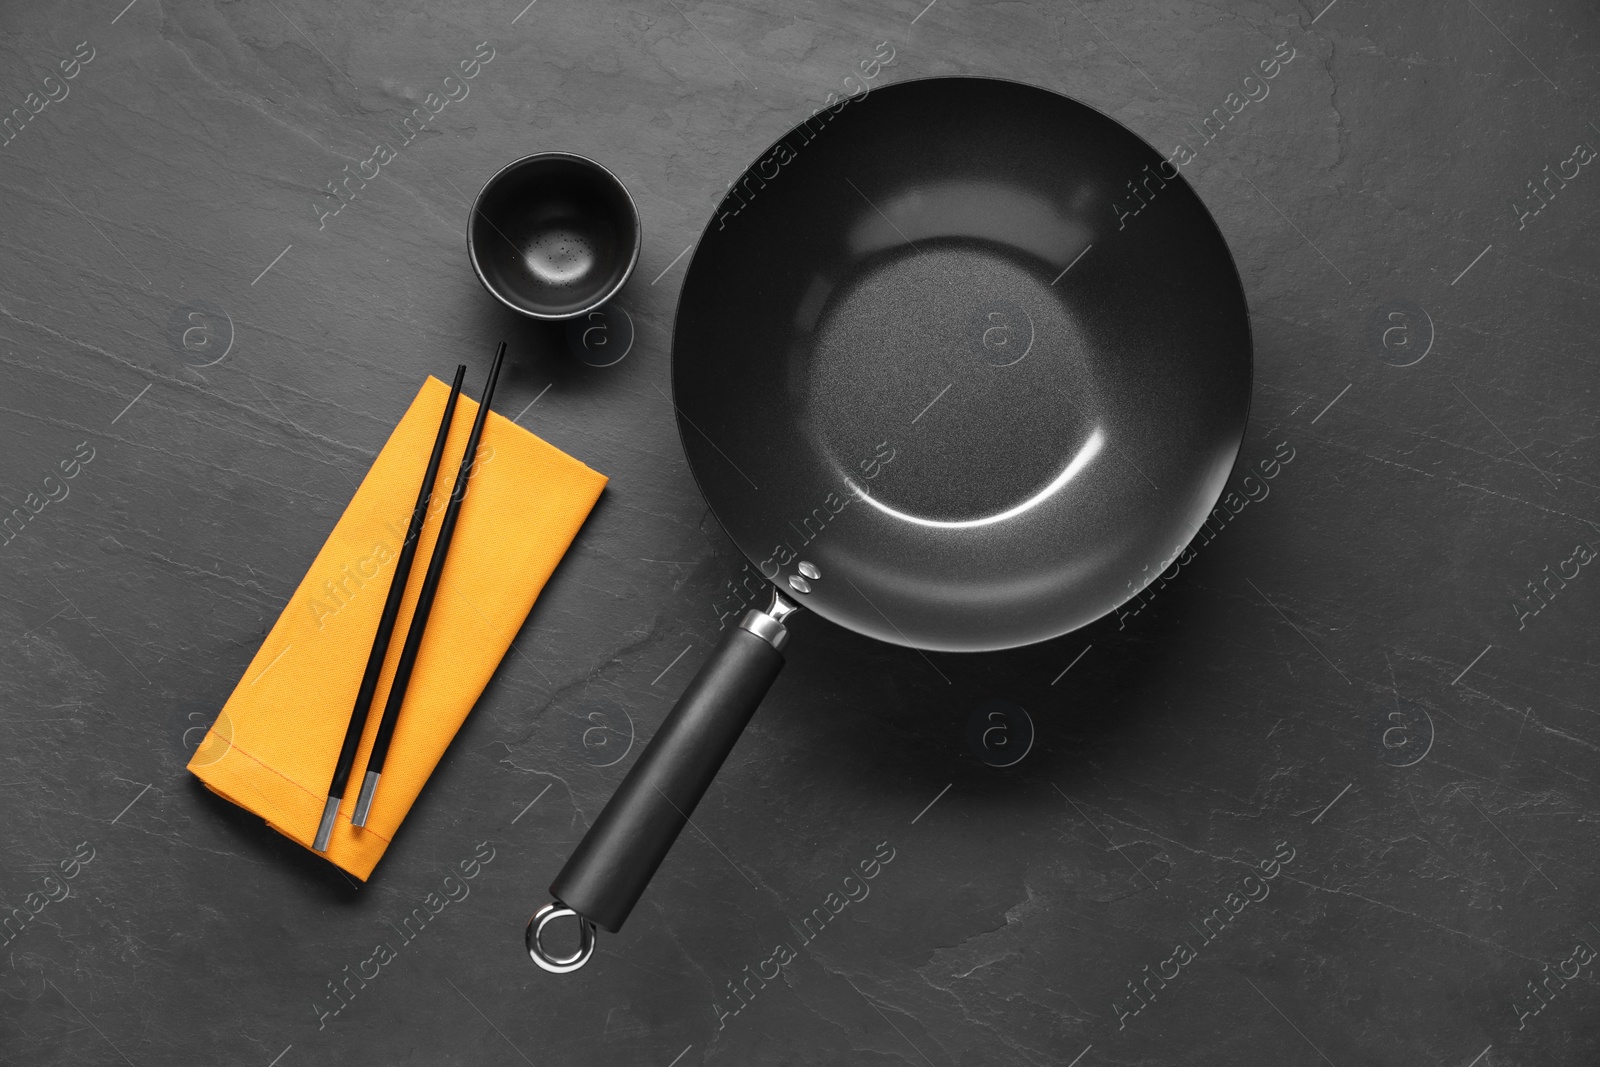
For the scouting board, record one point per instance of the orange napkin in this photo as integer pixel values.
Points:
(273, 747)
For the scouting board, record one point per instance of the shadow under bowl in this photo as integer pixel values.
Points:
(553, 235)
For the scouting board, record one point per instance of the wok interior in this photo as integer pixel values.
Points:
(928, 352)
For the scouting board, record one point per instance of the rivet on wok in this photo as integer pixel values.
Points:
(810, 571)
(799, 584)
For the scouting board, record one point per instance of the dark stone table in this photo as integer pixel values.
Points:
(1323, 795)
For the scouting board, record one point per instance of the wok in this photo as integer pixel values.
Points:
(961, 365)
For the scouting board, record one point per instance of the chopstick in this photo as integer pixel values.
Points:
(380, 639)
(419, 619)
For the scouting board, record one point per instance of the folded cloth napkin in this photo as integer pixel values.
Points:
(273, 747)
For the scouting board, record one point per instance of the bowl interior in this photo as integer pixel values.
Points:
(554, 236)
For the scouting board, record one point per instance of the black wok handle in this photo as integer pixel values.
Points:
(616, 859)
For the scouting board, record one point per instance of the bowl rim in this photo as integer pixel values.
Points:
(598, 302)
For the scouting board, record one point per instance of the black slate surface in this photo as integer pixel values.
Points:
(1355, 729)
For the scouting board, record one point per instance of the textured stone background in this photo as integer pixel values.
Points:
(1344, 669)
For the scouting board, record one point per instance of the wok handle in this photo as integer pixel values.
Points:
(616, 859)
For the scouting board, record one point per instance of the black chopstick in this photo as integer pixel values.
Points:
(419, 619)
(380, 640)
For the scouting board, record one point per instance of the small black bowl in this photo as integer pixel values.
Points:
(553, 235)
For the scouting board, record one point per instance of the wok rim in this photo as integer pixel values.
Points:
(679, 418)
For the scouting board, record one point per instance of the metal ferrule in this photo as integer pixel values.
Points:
(768, 624)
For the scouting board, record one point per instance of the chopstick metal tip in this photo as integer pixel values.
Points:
(369, 786)
(330, 815)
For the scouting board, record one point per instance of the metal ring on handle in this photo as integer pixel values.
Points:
(542, 956)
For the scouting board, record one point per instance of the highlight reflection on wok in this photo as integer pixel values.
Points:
(1086, 454)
